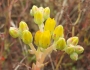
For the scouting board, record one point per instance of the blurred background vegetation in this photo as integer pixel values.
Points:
(14, 53)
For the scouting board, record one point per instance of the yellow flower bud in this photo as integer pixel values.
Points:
(41, 9)
(33, 10)
(14, 32)
(79, 49)
(27, 37)
(23, 26)
(45, 39)
(38, 17)
(70, 49)
(61, 44)
(50, 25)
(58, 32)
(31, 13)
(74, 56)
(37, 37)
(46, 13)
(73, 40)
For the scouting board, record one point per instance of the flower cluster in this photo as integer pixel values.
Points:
(49, 37)
(50, 32)
(40, 14)
(21, 32)
(73, 49)
(43, 38)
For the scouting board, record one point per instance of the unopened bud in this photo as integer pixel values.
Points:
(45, 39)
(27, 37)
(31, 13)
(58, 32)
(14, 32)
(79, 49)
(33, 10)
(73, 41)
(41, 9)
(61, 44)
(46, 13)
(37, 37)
(38, 17)
(50, 25)
(74, 56)
(23, 26)
(70, 49)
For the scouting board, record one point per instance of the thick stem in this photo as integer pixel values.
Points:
(41, 27)
(47, 52)
(32, 47)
